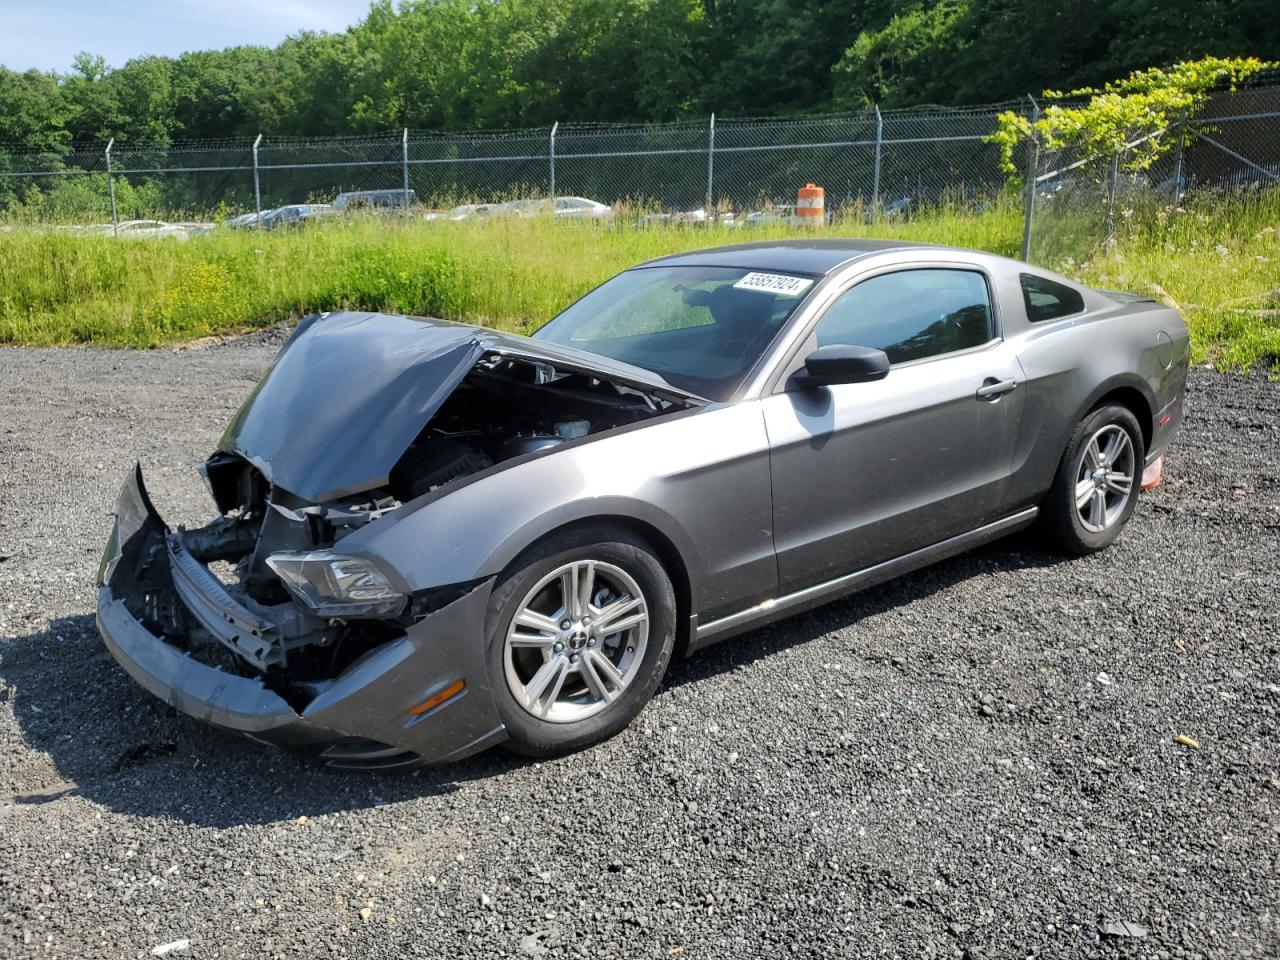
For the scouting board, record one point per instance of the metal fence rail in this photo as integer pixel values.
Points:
(1074, 204)
(883, 163)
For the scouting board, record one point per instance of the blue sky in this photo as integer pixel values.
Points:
(47, 33)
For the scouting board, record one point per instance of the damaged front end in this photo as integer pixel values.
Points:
(261, 622)
(387, 692)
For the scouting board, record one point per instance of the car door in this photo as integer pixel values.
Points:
(863, 473)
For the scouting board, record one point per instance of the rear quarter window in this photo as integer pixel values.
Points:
(1047, 299)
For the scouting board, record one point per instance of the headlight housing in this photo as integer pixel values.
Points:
(334, 585)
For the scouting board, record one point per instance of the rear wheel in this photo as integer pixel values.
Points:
(1096, 487)
(581, 630)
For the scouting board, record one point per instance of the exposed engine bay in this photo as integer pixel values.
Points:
(505, 408)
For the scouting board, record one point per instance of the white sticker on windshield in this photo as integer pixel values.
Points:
(777, 283)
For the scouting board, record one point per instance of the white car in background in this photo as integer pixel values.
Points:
(581, 208)
(564, 208)
(465, 211)
(572, 208)
(698, 215)
(149, 228)
(145, 228)
(161, 228)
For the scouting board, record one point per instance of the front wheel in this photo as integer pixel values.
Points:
(581, 630)
(1096, 487)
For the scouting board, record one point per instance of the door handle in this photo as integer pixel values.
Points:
(993, 389)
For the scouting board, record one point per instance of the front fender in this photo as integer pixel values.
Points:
(699, 480)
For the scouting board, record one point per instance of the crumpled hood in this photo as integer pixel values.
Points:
(349, 392)
(345, 398)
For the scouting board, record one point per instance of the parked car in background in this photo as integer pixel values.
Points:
(564, 208)
(375, 200)
(85, 229)
(530, 207)
(296, 214)
(897, 209)
(777, 213)
(581, 208)
(465, 211)
(244, 220)
(147, 228)
(445, 537)
(697, 215)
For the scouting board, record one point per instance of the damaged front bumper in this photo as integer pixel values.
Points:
(420, 697)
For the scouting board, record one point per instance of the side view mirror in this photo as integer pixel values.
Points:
(841, 363)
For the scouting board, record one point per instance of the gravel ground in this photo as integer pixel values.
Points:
(976, 761)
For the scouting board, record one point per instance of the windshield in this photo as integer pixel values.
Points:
(700, 328)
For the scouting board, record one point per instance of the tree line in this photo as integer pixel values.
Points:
(472, 64)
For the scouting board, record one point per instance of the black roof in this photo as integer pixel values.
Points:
(812, 256)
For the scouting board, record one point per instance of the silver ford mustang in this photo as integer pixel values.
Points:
(433, 538)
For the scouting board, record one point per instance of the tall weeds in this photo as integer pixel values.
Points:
(1219, 260)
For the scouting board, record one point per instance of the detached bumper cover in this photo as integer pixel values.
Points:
(361, 718)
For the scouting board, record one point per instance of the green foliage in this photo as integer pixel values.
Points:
(1005, 49)
(1217, 258)
(900, 63)
(135, 103)
(58, 288)
(1134, 119)
(459, 64)
(84, 199)
(33, 111)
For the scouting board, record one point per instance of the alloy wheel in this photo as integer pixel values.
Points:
(1104, 478)
(576, 641)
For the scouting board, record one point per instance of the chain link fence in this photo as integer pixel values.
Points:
(887, 164)
(899, 158)
(1076, 205)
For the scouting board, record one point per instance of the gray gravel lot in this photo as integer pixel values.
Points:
(976, 761)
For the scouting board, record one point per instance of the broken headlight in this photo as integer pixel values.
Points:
(333, 585)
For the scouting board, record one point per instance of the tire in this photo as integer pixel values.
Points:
(1087, 528)
(576, 700)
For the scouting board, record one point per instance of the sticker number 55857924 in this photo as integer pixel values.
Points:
(775, 283)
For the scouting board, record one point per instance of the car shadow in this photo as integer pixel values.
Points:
(1019, 551)
(91, 731)
(111, 742)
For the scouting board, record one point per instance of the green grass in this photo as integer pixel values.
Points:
(1220, 263)
(1217, 260)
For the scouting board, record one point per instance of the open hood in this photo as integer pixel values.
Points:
(349, 392)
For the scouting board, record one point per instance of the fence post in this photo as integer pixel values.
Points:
(1177, 156)
(404, 163)
(1033, 166)
(1113, 176)
(111, 190)
(875, 176)
(711, 161)
(551, 155)
(257, 192)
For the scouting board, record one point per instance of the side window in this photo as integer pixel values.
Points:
(1047, 299)
(912, 314)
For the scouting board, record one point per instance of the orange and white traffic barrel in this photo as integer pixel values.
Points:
(810, 206)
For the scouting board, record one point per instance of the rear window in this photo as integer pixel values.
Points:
(1047, 299)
